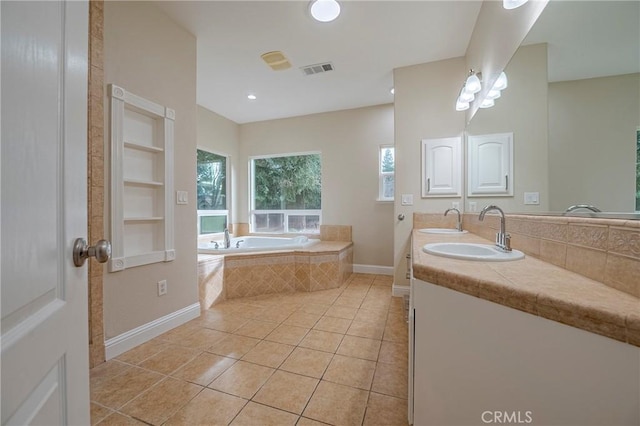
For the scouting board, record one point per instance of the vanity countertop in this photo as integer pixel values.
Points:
(532, 286)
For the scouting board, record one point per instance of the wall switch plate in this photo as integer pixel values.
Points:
(532, 198)
(182, 197)
(162, 287)
(473, 206)
(455, 205)
(407, 199)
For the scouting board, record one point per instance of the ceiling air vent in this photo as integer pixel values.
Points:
(276, 60)
(317, 68)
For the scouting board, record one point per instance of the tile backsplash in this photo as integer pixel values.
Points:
(605, 250)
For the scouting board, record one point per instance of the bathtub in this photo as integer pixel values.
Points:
(253, 244)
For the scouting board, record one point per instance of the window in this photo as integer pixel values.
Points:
(386, 173)
(212, 193)
(286, 193)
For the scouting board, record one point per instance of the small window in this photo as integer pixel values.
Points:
(386, 173)
(213, 215)
(286, 194)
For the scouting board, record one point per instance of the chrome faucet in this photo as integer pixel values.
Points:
(227, 240)
(583, 206)
(459, 224)
(503, 240)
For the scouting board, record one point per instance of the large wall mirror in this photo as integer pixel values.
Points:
(573, 105)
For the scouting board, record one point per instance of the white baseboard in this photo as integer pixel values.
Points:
(400, 290)
(373, 269)
(132, 338)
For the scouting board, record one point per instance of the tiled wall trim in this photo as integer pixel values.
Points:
(605, 250)
(95, 178)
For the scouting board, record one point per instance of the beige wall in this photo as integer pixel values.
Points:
(348, 141)
(149, 55)
(522, 110)
(592, 142)
(222, 136)
(424, 108)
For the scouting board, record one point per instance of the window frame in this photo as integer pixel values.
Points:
(382, 175)
(227, 211)
(252, 206)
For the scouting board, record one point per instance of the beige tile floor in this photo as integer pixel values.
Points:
(334, 357)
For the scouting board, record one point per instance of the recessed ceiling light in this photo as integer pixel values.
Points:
(252, 97)
(325, 10)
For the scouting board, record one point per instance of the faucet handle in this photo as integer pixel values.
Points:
(507, 242)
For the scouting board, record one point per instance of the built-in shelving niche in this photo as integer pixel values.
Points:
(141, 181)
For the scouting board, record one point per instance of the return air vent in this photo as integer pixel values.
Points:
(317, 68)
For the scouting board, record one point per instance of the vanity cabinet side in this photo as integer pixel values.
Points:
(475, 359)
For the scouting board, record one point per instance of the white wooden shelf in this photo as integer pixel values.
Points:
(140, 147)
(141, 181)
(143, 219)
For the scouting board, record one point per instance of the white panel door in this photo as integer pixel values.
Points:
(490, 167)
(45, 365)
(441, 167)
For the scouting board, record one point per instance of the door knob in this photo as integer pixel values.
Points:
(81, 251)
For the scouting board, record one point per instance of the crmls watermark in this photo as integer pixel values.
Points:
(507, 417)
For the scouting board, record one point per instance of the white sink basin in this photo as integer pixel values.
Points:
(447, 231)
(469, 251)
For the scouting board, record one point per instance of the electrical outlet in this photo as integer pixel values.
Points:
(473, 206)
(162, 287)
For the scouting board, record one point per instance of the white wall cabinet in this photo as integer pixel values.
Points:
(442, 167)
(142, 218)
(490, 165)
(473, 360)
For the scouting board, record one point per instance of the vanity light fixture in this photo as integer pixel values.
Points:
(461, 106)
(324, 10)
(512, 4)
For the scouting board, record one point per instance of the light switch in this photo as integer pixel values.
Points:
(532, 198)
(182, 197)
(407, 199)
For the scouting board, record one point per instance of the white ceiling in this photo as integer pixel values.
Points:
(371, 38)
(367, 41)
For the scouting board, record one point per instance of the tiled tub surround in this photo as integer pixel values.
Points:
(533, 285)
(323, 266)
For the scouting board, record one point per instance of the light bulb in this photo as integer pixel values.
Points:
(487, 103)
(473, 84)
(325, 10)
(501, 83)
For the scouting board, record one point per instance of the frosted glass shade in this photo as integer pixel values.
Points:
(473, 84)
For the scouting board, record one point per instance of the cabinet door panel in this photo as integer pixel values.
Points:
(441, 167)
(490, 166)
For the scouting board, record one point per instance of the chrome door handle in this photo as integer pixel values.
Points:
(82, 251)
